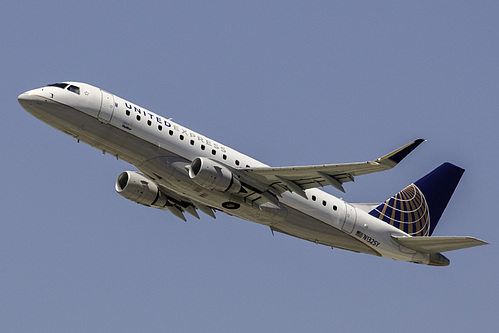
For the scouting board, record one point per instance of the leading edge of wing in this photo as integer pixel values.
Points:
(305, 177)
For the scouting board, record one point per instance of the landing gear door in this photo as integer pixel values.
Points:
(106, 107)
(350, 218)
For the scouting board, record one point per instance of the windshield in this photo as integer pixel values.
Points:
(59, 85)
(71, 88)
(74, 89)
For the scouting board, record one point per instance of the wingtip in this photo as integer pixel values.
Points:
(420, 140)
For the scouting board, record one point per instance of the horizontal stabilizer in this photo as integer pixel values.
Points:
(438, 244)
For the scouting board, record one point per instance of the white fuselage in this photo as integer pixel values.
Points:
(164, 150)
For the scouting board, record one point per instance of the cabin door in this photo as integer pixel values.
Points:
(106, 107)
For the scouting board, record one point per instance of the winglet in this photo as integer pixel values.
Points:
(398, 155)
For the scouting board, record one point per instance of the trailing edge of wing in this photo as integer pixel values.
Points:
(299, 178)
(438, 244)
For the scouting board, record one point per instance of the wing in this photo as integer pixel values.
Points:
(297, 179)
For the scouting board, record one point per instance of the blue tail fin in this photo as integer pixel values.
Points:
(416, 209)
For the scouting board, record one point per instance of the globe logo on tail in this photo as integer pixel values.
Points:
(407, 211)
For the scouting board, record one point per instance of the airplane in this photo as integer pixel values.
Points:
(182, 171)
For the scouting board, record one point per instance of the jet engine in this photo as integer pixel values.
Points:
(138, 188)
(213, 176)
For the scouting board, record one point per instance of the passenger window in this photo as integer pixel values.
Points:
(324, 203)
(74, 89)
(127, 112)
(224, 156)
(138, 117)
(213, 152)
(181, 137)
(237, 162)
(335, 208)
(314, 198)
(149, 123)
(160, 127)
(203, 147)
(170, 132)
(192, 142)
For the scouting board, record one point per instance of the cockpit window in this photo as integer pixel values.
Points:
(74, 89)
(59, 85)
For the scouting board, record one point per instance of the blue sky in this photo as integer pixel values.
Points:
(287, 82)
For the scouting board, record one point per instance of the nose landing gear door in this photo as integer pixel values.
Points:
(106, 107)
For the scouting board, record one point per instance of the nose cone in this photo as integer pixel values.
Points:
(27, 99)
(33, 101)
(23, 99)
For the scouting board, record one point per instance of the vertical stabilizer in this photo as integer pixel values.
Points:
(417, 209)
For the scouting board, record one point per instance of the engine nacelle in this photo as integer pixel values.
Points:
(213, 176)
(138, 188)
